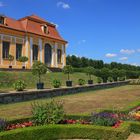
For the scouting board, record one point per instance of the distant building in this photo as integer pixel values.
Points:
(32, 37)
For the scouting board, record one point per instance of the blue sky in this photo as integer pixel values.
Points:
(98, 29)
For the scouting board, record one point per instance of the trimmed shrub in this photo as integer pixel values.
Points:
(81, 82)
(68, 69)
(104, 74)
(110, 79)
(49, 113)
(56, 83)
(19, 85)
(52, 132)
(99, 80)
(39, 69)
(90, 71)
(135, 127)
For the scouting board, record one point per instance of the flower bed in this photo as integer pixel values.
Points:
(50, 122)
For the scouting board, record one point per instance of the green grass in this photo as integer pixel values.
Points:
(8, 78)
(117, 98)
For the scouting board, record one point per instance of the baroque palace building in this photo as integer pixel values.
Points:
(32, 37)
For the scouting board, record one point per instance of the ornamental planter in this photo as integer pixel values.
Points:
(69, 83)
(10, 67)
(90, 82)
(40, 85)
(23, 67)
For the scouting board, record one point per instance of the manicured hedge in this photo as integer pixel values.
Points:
(135, 127)
(51, 132)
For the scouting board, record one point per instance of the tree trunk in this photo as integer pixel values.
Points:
(39, 79)
(68, 76)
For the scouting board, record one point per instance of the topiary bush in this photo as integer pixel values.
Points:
(19, 85)
(110, 79)
(49, 113)
(56, 83)
(99, 80)
(81, 82)
(23, 59)
(68, 69)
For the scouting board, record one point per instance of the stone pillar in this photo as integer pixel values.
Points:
(1, 59)
(14, 42)
(56, 63)
(26, 48)
(40, 49)
(53, 56)
(31, 51)
(63, 56)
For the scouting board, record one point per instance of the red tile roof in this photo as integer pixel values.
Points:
(32, 24)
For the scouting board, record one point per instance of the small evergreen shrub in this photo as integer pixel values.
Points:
(19, 85)
(3, 124)
(49, 113)
(81, 82)
(110, 79)
(99, 80)
(56, 83)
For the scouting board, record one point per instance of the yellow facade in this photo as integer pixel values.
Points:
(28, 40)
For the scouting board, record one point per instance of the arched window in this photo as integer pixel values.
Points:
(48, 54)
(59, 56)
(35, 52)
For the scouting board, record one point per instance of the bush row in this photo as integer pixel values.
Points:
(48, 132)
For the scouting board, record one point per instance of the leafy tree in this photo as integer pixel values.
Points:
(104, 74)
(10, 58)
(115, 74)
(90, 71)
(68, 70)
(23, 59)
(39, 69)
(84, 62)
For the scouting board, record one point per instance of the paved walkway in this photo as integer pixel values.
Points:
(134, 137)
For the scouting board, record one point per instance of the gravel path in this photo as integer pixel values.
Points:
(134, 137)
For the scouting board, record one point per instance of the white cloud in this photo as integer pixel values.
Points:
(110, 55)
(123, 58)
(127, 51)
(1, 4)
(138, 50)
(63, 5)
(135, 64)
(82, 41)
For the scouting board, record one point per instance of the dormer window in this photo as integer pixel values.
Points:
(1, 19)
(45, 29)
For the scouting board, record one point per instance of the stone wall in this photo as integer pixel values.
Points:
(49, 93)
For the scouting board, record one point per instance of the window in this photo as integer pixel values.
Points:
(6, 46)
(59, 55)
(35, 52)
(1, 20)
(45, 29)
(18, 51)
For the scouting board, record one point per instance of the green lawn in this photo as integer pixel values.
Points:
(8, 78)
(83, 103)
